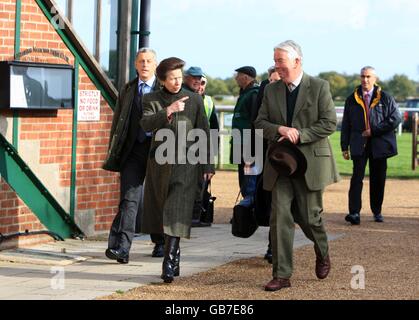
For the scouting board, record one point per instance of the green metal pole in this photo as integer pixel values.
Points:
(15, 136)
(134, 38)
(17, 26)
(145, 23)
(74, 140)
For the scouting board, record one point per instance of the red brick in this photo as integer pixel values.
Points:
(53, 129)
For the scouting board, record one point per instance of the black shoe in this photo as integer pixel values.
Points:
(268, 257)
(353, 218)
(200, 224)
(123, 261)
(378, 218)
(268, 254)
(119, 255)
(158, 251)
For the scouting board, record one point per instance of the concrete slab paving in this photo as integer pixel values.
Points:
(98, 276)
(45, 257)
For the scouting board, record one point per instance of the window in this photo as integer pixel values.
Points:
(84, 19)
(63, 6)
(108, 38)
(96, 24)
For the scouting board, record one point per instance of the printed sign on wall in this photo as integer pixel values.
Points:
(89, 105)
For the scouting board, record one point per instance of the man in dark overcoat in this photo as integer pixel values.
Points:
(128, 152)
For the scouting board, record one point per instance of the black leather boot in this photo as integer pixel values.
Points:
(171, 249)
(177, 263)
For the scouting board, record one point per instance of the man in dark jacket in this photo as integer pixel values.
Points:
(244, 113)
(369, 120)
(128, 152)
(196, 81)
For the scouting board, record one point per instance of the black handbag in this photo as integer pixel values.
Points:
(207, 204)
(243, 223)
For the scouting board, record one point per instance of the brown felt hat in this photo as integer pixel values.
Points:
(287, 159)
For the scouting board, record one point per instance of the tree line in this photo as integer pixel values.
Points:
(341, 85)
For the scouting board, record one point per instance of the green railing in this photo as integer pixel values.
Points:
(34, 194)
(16, 172)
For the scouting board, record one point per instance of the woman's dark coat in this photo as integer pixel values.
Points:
(170, 189)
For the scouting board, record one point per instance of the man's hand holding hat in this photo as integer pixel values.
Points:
(287, 159)
(290, 134)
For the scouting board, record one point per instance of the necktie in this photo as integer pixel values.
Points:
(367, 99)
(141, 89)
(141, 134)
(140, 96)
(291, 87)
(367, 108)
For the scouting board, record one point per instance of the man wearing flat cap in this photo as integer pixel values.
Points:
(298, 108)
(244, 112)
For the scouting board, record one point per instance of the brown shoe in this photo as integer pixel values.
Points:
(322, 266)
(277, 283)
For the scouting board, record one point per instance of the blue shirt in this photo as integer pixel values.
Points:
(148, 85)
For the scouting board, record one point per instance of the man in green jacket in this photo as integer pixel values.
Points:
(300, 109)
(244, 112)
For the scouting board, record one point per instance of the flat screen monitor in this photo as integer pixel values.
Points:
(40, 86)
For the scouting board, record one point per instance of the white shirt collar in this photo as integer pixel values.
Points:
(297, 81)
(149, 83)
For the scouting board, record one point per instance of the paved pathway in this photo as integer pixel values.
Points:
(99, 276)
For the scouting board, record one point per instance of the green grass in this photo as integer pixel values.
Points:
(397, 167)
(226, 152)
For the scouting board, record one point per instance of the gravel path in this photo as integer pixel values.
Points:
(382, 256)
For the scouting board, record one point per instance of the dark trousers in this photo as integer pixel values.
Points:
(131, 184)
(378, 170)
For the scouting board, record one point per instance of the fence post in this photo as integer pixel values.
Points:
(400, 128)
(415, 143)
(221, 149)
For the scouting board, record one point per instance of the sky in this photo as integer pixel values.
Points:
(335, 35)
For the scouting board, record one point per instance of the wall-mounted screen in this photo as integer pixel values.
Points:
(36, 86)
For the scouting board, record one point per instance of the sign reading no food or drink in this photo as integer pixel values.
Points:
(89, 105)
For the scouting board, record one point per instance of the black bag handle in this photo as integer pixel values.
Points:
(205, 187)
(237, 199)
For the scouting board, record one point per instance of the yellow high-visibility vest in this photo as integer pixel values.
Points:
(209, 106)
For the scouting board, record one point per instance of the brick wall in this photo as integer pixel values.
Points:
(97, 191)
(7, 29)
